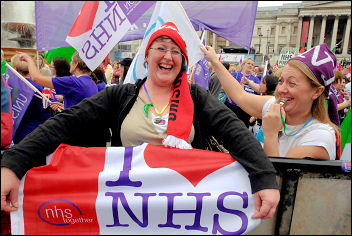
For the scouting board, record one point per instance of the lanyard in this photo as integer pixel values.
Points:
(146, 106)
(284, 124)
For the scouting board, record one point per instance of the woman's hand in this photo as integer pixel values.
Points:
(345, 95)
(266, 202)
(25, 57)
(60, 98)
(272, 123)
(56, 106)
(210, 54)
(245, 80)
(9, 190)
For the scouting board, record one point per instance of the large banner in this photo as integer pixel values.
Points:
(135, 190)
(100, 25)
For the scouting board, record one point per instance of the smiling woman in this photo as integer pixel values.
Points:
(299, 126)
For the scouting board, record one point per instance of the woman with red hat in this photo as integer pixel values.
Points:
(296, 122)
(160, 109)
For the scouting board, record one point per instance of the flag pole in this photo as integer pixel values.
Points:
(28, 83)
(265, 69)
(38, 60)
(202, 37)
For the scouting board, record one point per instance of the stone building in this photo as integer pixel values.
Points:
(278, 27)
(275, 28)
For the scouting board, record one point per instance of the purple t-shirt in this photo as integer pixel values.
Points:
(74, 89)
(238, 76)
(101, 86)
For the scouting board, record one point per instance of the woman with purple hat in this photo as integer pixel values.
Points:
(296, 122)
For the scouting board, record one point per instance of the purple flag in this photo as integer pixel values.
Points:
(54, 20)
(21, 96)
(201, 72)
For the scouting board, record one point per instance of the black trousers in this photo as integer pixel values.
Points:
(240, 113)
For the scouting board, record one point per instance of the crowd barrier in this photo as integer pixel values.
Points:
(315, 198)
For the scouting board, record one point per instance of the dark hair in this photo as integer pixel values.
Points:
(226, 64)
(61, 66)
(98, 75)
(125, 70)
(271, 82)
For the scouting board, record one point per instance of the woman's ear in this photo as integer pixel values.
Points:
(318, 92)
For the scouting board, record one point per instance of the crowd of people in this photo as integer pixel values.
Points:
(297, 111)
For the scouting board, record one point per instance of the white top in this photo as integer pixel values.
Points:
(314, 133)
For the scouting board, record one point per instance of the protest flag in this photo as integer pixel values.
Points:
(106, 61)
(305, 29)
(166, 11)
(201, 71)
(6, 116)
(302, 50)
(146, 189)
(346, 137)
(49, 93)
(21, 96)
(100, 25)
(339, 67)
(276, 66)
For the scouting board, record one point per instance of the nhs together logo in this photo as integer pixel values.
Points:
(61, 212)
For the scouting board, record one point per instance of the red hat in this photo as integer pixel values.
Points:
(169, 29)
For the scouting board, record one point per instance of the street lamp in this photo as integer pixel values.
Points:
(260, 40)
(267, 41)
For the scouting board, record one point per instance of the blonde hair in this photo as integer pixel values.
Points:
(20, 66)
(278, 72)
(338, 77)
(244, 62)
(319, 109)
(40, 58)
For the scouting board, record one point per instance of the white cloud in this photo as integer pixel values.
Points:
(274, 3)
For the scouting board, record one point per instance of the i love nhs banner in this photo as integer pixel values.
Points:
(100, 25)
(135, 190)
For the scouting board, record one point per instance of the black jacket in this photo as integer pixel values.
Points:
(86, 124)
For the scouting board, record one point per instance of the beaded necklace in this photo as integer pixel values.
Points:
(146, 106)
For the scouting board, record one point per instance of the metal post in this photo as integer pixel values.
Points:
(286, 205)
(260, 40)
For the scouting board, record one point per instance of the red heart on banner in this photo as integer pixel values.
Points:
(85, 19)
(184, 162)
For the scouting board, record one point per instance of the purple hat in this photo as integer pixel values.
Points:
(319, 63)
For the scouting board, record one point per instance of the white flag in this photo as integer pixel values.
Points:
(164, 12)
(100, 26)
